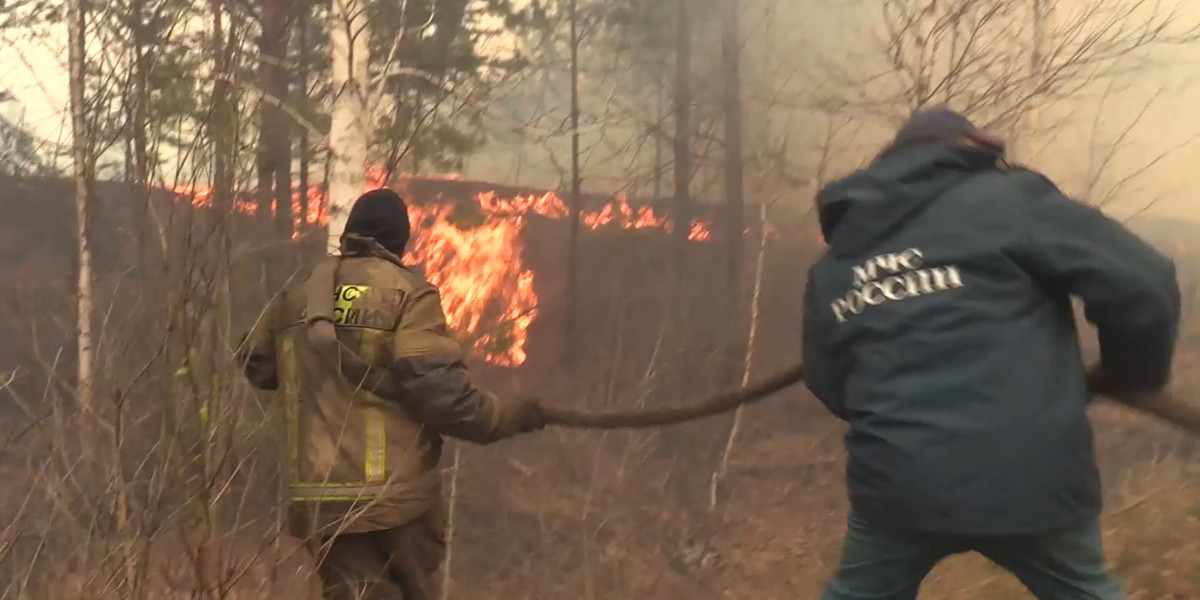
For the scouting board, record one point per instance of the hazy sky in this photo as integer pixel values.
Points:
(34, 70)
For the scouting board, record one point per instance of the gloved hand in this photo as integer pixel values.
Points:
(1100, 383)
(532, 418)
(513, 416)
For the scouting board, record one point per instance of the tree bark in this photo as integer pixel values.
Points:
(658, 143)
(221, 129)
(350, 122)
(302, 101)
(734, 333)
(139, 158)
(683, 130)
(220, 125)
(734, 165)
(1029, 130)
(274, 136)
(85, 177)
(576, 194)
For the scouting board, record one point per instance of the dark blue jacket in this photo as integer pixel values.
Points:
(939, 325)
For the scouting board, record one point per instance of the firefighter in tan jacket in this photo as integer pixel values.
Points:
(370, 380)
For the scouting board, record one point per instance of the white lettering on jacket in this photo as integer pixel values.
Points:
(902, 278)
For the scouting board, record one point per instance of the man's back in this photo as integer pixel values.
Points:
(349, 447)
(940, 326)
(370, 379)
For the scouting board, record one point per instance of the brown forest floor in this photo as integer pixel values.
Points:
(592, 516)
(778, 534)
(526, 532)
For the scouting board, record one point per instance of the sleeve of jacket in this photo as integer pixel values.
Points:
(256, 352)
(823, 373)
(434, 384)
(1129, 290)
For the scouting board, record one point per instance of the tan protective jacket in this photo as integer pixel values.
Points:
(363, 460)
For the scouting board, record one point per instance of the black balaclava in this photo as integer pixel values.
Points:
(381, 215)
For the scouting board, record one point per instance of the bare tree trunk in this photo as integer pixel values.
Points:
(350, 121)
(683, 130)
(451, 522)
(138, 125)
(221, 129)
(576, 194)
(735, 226)
(1031, 128)
(282, 153)
(220, 125)
(267, 123)
(304, 149)
(274, 136)
(85, 177)
(734, 166)
(658, 142)
(205, 351)
(747, 364)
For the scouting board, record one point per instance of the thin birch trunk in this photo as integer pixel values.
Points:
(450, 505)
(752, 333)
(349, 39)
(84, 193)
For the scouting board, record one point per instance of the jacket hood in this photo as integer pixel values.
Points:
(862, 208)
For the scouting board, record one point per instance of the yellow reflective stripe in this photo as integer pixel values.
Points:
(423, 487)
(407, 344)
(290, 391)
(333, 499)
(331, 485)
(335, 493)
(374, 425)
(376, 444)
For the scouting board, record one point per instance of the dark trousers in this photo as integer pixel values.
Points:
(391, 564)
(1065, 564)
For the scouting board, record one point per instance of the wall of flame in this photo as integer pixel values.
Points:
(474, 254)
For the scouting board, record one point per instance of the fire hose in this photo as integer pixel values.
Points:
(661, 416)
(1162, 405)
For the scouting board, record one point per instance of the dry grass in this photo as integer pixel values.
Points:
(145, 500)
(596, 516)
(570, 514)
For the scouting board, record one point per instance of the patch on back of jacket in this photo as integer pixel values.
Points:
(366, 306)
(894, 277)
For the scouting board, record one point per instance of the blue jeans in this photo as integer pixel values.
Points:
(1065, 564)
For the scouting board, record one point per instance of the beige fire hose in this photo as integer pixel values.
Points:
(1163, 406)
(322, 335)
(1166, 407)
(660, 416)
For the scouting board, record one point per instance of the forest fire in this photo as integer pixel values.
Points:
(473, 253)
(202, 197)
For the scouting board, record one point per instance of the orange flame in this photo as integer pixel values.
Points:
(487, 293)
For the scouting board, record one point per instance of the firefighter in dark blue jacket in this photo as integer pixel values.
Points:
(939, 325)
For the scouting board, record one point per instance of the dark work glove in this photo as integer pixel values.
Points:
(1102, 384)
(1099, 383)
(531, 417)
